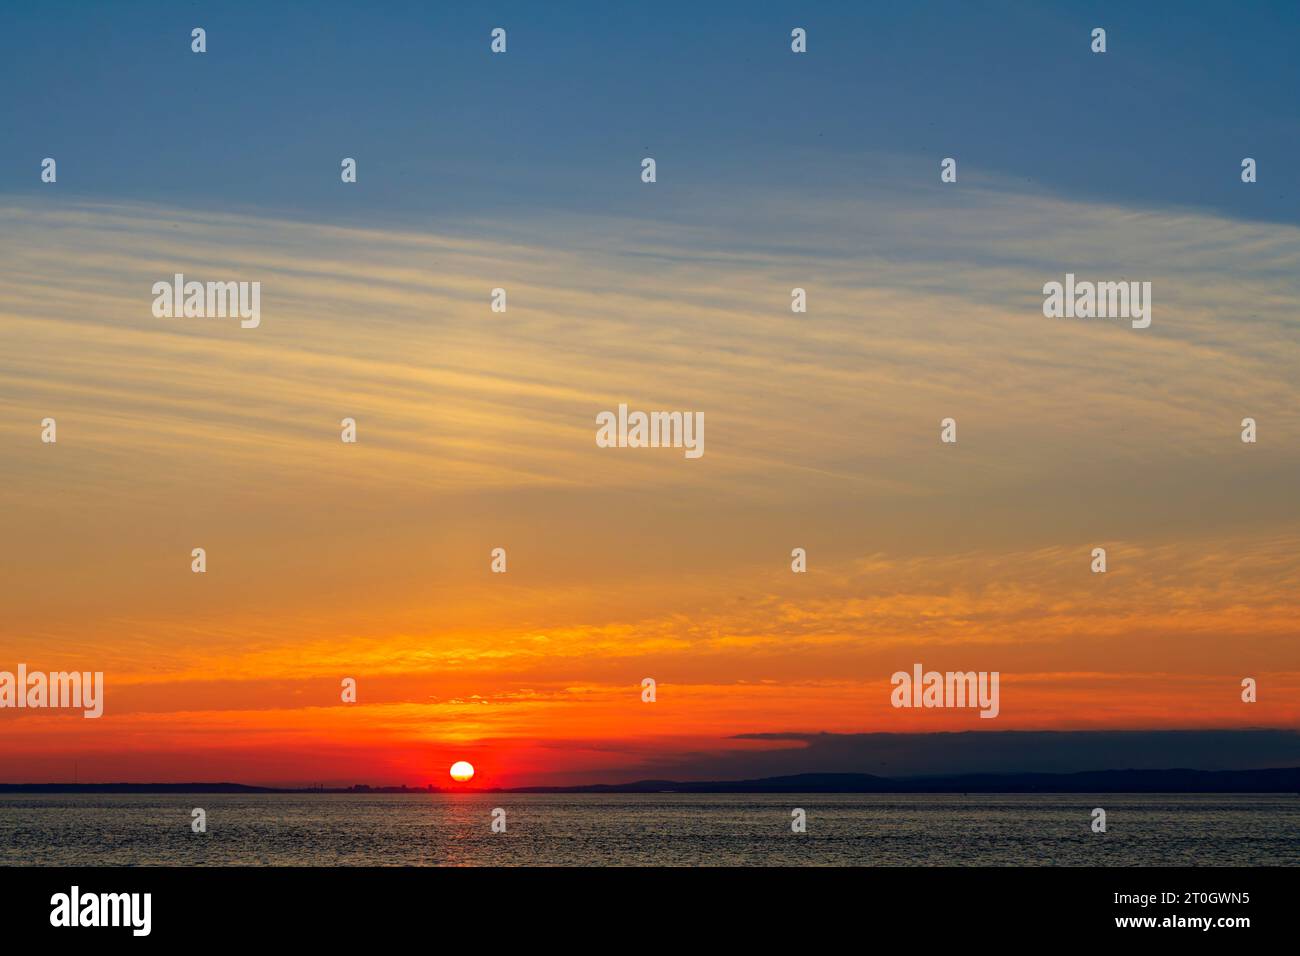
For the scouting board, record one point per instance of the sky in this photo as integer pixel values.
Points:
(476, 429)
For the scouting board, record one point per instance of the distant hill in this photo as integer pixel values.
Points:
(195, 788)
(1281, 780)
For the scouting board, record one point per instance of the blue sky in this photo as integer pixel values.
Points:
(776, 171)
(444, 130)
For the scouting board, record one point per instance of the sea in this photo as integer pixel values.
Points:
(666, 829)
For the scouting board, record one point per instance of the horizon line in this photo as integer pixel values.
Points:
(1288, 780)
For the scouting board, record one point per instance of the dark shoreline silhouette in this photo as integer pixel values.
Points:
(1278, 780)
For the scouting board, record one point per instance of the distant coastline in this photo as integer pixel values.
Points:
(1277, 780)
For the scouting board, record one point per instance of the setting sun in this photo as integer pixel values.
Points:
(461, 771)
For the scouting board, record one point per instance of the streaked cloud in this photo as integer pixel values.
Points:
(477, 431)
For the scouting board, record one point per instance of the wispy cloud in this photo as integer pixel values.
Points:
(477, 431)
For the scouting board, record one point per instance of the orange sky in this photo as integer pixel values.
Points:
(477, 430)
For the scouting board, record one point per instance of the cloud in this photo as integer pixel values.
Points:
(903, 755)
(477, 430)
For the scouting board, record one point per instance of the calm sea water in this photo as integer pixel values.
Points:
(653, 829)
